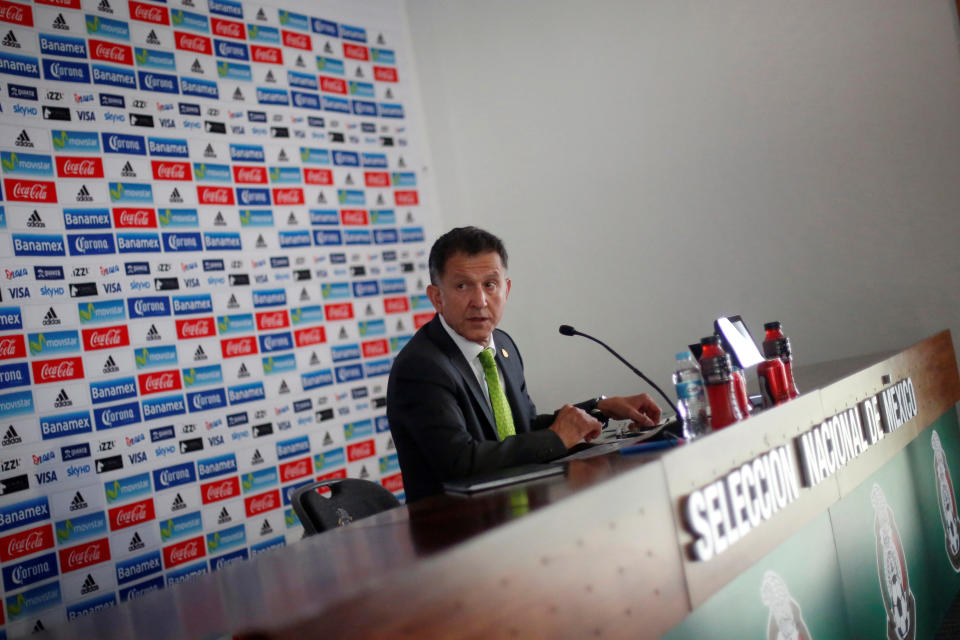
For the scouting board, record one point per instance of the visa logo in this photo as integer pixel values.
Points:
(45, 477)
(18, 292)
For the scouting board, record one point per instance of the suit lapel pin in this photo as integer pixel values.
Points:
(504, 352)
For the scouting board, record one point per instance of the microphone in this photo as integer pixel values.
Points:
(567, 330)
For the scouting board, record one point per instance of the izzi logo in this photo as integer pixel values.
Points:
(898, 600)
(947, 502)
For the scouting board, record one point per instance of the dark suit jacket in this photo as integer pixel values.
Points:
(443, 426)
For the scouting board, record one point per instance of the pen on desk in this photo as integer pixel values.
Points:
(647, 447)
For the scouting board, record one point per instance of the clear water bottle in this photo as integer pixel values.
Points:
(691, 401)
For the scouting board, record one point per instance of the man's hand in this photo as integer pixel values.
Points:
(641, 409)
(573, 425)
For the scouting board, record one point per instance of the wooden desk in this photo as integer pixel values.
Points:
(599, 552)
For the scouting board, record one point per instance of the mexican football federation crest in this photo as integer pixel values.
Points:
(892, 571)
(786, 621)
(947, 503)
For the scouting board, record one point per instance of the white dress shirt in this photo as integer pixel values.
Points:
(471, 352)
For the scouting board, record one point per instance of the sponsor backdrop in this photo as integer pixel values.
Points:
(882, 563)
(213, 244)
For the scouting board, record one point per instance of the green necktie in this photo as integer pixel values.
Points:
(501, 408)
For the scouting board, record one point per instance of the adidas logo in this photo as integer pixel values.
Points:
(35, 220)
(349, 179)
(23, 140)
(343, 333)
(242, 371)
(270, 77)
(261, 15)
(283, 387)
(51, 318)
(363, 472)
(380, 39)
(401, 163)
(369, 311)
(127, 171)
(282, 156)
(232, 302)
(327, 48)
(62, 400)
(60, 23)
(105, 7)
(409, 216)
(153, 334)
(78, 502)
(327, 439)
(238, 95)
(89, 586)
(10, 40)
(196, 67)
(321, 199)
(152, 37)
(199, 354)
(300, 62)
(314, 359)
(219, 221)
(261, 243)
(389, 94)
(292, 219)
(257, 458)
(109, 366)
(400, 325)
(135, 542)
(224, 516)
(83, 195)
(266, 529)
(178, 504)
(380, 198)
(11, 437)
(359, 73)
(304, 296)
(175, 196)
(39, 626)
(209, 152)
(390, 444)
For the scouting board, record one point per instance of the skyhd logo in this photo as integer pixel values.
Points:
(947, 502)
(892, 571)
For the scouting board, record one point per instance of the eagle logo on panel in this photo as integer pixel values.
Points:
(892, 571)
(786, 620)
(947, 503)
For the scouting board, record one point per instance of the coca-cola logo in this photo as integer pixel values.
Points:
(272, 320)
(295, 470)
(184, 552)
(393, 483)
(250, 174)
(220, 490)
(59, 371)
(333, 85)
(288, 196)
(215, 195)
(16, 13)
(80, 167)
(355, 51)
(306, 337)
(83, 557)
(32, 191)
(354, 216)
(160, 382)
(238, 347)
(134, 217)
(171, 171)
(111, 52)
(195, 43)
(25, 543)
(148, 13)
(106, 338)
(297, 40)
(200, 328)
(377, 179)
(12, 347)
(228, 29)
(318, 176)
(406, 197)
(396, 305)
(339, 311)
(385, 74)
(361, 450)
(132, 516)
(375, 348)
(261, 504)
(266, 54)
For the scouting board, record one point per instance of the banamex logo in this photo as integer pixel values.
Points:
(117, 333)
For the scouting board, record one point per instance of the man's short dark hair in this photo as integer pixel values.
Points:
(469, 240)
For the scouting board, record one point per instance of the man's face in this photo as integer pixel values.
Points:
(472, 294)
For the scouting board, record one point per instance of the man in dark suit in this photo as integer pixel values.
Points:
(457, 400)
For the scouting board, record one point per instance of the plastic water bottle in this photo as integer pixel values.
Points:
(691, 401)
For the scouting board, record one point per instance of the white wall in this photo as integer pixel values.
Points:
(654, 164)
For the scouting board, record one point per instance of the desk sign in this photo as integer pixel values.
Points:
(724, 512)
